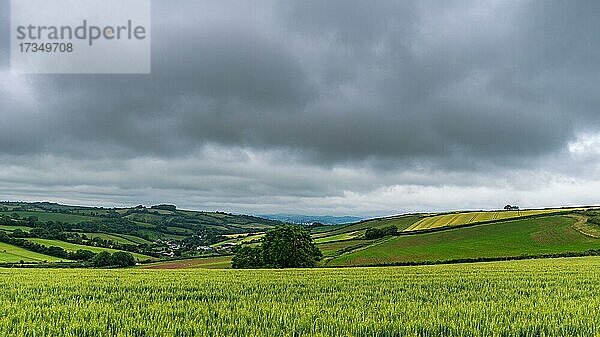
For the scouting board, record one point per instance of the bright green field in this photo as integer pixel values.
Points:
(134, 239)
(551, 234)
(14, 254)
(330, 249)
(111, 237)
(556, 297)
(12, 228)
(464, 218)
(48, 216)
(71, 247)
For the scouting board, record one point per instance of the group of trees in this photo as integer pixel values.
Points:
(116, 259)
(165, 207)
(283, 247)
(376, 233)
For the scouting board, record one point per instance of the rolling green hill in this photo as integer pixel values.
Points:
(146, 232)
(533, 236)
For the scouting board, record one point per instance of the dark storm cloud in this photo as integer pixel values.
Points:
(4, 34)
(340, 81)
(408, 89)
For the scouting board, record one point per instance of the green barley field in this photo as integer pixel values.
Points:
(551, 297)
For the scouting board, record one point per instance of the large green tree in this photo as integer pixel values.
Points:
(248, 257)
(282, 247)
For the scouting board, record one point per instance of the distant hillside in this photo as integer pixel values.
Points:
(310, 219)
(57, 231)
(42, 232)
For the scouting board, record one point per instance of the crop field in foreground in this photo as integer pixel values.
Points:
(215, 262)
(553, 297)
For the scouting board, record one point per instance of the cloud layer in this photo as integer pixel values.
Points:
(321, 107)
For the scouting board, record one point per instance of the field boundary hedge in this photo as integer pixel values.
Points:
(590, 252)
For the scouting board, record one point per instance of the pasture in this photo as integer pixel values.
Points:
(13, 254)
(49, 216)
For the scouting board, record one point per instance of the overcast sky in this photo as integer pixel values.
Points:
(321, 107)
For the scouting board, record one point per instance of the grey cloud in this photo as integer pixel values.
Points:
(239, 84)
(394, 90)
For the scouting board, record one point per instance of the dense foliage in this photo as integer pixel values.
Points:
(376, 233)
(282, 247)
(116, 259)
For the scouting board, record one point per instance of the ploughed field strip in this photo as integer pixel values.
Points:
(465, 218)
(215, 262)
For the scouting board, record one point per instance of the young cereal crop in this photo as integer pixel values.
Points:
(557, 297)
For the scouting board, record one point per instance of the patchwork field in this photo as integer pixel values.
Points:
(464, 218)
(240, 239)
(341, 236)
(336, 248)
(553, 297)
(112, 237)
(533, 236)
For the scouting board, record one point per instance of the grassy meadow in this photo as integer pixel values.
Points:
(48, 216)
(13, 254)
(550, 297)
